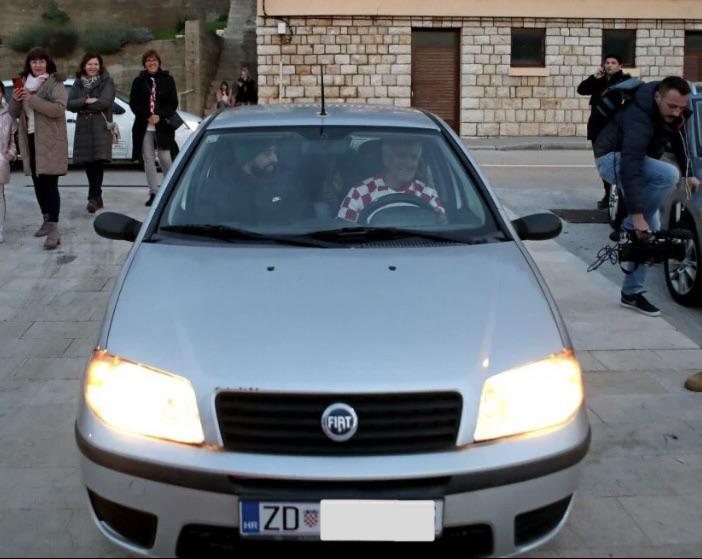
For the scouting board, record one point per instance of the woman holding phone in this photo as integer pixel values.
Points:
(92, 97)
(40, 105)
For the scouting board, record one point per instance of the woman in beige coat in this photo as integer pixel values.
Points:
(40, 107)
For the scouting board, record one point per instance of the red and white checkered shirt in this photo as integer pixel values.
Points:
(374, 188)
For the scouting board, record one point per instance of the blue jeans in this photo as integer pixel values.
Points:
(660, 178)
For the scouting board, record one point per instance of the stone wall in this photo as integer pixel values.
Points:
(368, 60)
(164, 14)
(202, 50)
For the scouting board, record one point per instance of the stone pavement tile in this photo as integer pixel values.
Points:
(39, 393)
(28, 488)
(674, 379)
(645, 409)
(87, 271)
(588, 362)
(82, 312)
(59, 284)
(38, 436)
(675, 359)
(56, 368)
(603, 383)
(631, 360)
(36, 532)
(74, 330)
(605, 521)
(684, 474)
(626, 551)
(626, 476)
(80, 348)
(647, 438)
(53, 347)
(7, 366)
(589, 336)
(668, 520)
(13, 329)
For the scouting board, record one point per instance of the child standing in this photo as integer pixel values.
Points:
(8, 127)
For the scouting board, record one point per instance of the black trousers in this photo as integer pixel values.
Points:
(95, 171)
(45, 187)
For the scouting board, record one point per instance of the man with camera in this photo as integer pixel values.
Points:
(627, 152)
(597, 86)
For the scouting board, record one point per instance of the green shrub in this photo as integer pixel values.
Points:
(58, 40)
(54, 14)
(109, 39)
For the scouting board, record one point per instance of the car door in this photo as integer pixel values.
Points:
(122, 115)
(70, 125)
(695, 135)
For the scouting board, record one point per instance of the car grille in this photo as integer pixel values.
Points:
(291, 424)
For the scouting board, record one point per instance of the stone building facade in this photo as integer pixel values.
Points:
(368, 59)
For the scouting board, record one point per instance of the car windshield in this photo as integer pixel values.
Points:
(330, 182)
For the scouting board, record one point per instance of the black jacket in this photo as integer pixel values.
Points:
(92, 140)
(596, 88)
(246, 92)
(166, 106)
(638, 131)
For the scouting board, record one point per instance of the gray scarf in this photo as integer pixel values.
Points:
(89, 83)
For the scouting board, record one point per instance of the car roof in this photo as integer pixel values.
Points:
(309, 115)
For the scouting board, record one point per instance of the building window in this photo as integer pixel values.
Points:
(621, 42)
(528, 47)
(693, 56)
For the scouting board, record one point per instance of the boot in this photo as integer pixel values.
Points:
(100, 203)
(43, 231)
(53, 240)
(694, 382)
(92, 206)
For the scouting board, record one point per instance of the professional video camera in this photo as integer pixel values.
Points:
(654, 249)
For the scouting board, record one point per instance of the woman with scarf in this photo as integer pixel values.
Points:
(153, 99)
(40, 107)
(8, 127)
(92, 97)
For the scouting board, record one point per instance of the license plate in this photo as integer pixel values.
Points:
(342, 520)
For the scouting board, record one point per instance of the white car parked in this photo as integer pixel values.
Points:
(124, 118)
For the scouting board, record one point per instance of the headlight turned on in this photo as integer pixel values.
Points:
(536, 396)
(137, 399)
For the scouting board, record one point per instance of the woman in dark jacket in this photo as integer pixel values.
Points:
(154, 99)
(93, 97)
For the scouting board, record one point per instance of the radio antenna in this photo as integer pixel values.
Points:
(324, 108)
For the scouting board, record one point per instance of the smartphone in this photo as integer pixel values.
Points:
(17, 83)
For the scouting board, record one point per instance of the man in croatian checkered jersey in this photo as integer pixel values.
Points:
(400, 161)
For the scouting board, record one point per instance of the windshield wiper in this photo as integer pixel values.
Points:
(233, 234)
(356, 234)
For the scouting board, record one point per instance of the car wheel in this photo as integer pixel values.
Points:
(683, 277)
(617, 210)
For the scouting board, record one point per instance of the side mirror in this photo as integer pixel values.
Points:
(538, 227)
(117, 227)
(118, 109)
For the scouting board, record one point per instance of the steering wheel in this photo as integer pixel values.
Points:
(400, 209)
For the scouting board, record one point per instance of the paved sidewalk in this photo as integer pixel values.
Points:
(515, 143)
(641, 491)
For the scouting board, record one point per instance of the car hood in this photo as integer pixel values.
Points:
(332, 320)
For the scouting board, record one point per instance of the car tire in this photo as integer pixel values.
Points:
(616, 209)
(684, 279)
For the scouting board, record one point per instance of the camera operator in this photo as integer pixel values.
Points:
(597, 86)
(627, 152)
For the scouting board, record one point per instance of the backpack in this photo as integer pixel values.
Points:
(615, 98)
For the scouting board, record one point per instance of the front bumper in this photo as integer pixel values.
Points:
(190, 506)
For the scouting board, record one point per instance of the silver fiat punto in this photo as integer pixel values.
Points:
(329, 330)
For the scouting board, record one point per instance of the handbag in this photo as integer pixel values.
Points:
(174, 121)
(114, 130)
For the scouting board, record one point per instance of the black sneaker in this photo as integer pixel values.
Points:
(640, 304)
(150, 200)
(603, 204)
